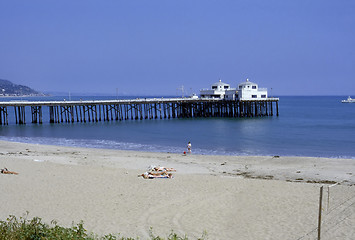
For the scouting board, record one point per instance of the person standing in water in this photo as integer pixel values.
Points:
(189, 147)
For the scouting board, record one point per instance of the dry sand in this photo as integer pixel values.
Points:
(229, 197)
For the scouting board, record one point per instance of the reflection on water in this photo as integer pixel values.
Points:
(307, 126)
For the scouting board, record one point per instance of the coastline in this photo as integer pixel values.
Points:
(252, 197)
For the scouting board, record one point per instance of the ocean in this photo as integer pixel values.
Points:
(311, 126)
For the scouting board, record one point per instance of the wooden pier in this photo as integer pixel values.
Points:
(136, 109)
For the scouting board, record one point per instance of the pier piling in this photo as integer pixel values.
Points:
(137, 109)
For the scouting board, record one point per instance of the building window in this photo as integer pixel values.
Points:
(254, 87)
(263, 96)
(240, 87)
(214, 87)
(225, 87)
(254, 96)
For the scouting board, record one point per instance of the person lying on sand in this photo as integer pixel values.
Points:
(161, 169)
(164, 169)
(150, 175)
(156, 173)
(6, 171)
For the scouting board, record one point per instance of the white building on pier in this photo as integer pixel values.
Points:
(218, 90)
(251, 91)
(246, 91)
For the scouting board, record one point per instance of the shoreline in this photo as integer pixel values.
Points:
(227, 154)
(250, 197)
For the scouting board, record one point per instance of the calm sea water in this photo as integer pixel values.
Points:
(307, 126)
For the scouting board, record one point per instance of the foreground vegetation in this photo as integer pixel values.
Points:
(34, 229)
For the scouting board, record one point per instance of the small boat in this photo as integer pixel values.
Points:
(349, 100)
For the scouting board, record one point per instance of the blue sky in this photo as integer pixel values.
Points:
(152, 47)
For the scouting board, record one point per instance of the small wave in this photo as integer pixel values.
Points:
(110, 144)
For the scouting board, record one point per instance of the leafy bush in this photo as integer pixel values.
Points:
(34, 229)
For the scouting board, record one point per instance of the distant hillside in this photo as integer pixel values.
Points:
(8, 88)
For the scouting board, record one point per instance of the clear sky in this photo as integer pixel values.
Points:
(153, 47)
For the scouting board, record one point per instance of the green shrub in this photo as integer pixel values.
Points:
(34, 229)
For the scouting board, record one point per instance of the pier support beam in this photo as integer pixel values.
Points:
(3, 116)
(140, 109)
(36, 112)
(20, 114)
(277, 108)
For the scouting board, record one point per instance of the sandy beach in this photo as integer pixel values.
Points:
(228, 197)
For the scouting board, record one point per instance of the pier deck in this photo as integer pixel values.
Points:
(140, 108)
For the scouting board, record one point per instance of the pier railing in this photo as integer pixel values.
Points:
(140, 108)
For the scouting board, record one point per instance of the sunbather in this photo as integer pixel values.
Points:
(150, 175)
(165, 169)
(169, 175)
(6, 171)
